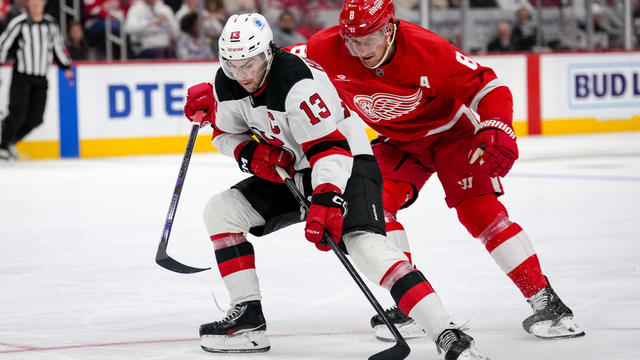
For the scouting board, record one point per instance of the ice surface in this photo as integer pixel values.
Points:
(78, 280)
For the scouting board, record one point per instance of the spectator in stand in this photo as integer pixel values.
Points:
(409, 4)
(612, 22)
(217, 9)
(439, 4)
(600, 37)
(96, 13)
(189, 46)
(174, 5)
(188, 6)
(310, 25)
(473, 3)
(212, 24)
(152, 27)
(77, 44)
(635, 24)
(502, 41)
(483, 3)
(524, 32)
(286, 34)
(240, 6)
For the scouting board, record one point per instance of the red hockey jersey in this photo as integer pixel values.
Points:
(426, 87)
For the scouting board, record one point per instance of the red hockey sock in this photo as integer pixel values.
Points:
(487, 219)
(233, 253)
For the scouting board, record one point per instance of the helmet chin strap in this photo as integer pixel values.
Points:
(386, 52)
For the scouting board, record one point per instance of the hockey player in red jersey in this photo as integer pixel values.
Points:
(290, 105)
(421, 94)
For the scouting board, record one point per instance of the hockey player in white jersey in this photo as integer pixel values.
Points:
(291, 107)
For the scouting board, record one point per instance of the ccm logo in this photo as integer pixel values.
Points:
(234, 49)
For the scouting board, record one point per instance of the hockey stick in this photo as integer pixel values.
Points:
(401, 349)
(162, 258)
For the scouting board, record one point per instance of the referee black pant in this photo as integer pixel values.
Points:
(27, 99)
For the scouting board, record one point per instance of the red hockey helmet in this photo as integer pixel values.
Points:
(362, 17)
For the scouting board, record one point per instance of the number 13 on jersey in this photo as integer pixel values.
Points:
(315, 102)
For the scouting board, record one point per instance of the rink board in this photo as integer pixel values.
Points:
(590, 93)
(133, 108)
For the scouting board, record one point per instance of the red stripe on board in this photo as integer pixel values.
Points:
(413, 296)
(237, 264)
(534, 119)
(506, 234)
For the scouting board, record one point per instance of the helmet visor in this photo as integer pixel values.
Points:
(245, 69)
(367, 45)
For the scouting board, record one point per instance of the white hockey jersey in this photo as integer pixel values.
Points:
(297, 109)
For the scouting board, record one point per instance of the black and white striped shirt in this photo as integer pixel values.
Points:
(33, 45)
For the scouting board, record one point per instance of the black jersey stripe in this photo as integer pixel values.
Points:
(326, 146)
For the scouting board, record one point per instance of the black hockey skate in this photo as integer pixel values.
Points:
(242, 331)
(407, 327)
(457, 345)
(551, 318)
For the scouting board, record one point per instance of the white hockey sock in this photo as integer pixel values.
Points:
(431, 315)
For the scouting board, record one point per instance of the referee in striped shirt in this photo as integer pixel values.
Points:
(32, 40)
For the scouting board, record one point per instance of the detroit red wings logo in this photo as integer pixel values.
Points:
(382, 106)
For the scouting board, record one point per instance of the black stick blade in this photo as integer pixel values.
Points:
(398, 351)
(171, 264)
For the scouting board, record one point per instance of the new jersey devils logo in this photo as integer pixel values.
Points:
(382, 106)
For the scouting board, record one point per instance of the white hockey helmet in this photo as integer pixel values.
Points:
(245, 36)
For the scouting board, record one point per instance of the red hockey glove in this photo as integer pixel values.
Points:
(259, 159)
(494, 147)
(325, 214)
(200, 97)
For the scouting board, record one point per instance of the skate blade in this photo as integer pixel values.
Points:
(472, 353)
(249, 342)
(408, 330)
(563, 329)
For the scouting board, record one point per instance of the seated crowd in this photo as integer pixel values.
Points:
(170, 29)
